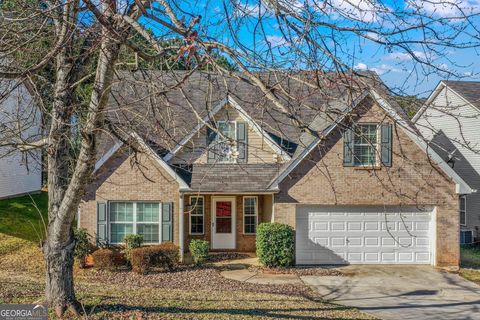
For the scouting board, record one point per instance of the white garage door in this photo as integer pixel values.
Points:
(363, 235)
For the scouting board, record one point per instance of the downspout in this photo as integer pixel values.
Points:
(181, 233)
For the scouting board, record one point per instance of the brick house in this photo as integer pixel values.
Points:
(358, 184)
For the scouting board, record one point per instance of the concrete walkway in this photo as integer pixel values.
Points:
(245, 275)
(402, 292)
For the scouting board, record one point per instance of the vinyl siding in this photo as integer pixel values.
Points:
(20, 173)
(460, 122)
(258, 151)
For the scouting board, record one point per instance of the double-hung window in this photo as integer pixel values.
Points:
(368, 145)
(463, 210)
(250, 215)
(226, 141)
(134, 218)
(365, 145)
(197, 214)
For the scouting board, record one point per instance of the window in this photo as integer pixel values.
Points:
(250, 215)
(226, 141)
(197, 210)
(134, 218)
(365, 140)
(463, 210)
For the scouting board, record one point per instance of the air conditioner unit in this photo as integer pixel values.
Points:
(466, 236)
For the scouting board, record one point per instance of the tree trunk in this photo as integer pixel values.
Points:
(59, 260)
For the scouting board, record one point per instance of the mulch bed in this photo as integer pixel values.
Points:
(225, 256)
(188, 278)
(299, 271)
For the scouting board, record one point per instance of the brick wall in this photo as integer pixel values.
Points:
(244, 242)
(412, 180)
(125, 177)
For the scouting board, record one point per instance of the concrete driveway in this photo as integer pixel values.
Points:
(402, 292)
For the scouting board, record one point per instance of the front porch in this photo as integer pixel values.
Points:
(227, 221)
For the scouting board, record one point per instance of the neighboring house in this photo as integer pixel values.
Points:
(20, 123)
(362, 187)
(450, 120)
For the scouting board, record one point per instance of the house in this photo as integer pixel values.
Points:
(215, 157)
(450, 120)
(20, 124)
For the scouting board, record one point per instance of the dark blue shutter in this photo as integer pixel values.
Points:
(348, 147)
(242, 141)
(102, 223)
(211, 135)
(167, 221)
(386, 145)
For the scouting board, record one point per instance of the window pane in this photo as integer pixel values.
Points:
(364, 144)
(196, 204)
(121, 211)
(462, 203)
(149, 232)
(196, 224)
(250, 205)
(148, 212)
(119, 231)
(250, 224)
(227, 129)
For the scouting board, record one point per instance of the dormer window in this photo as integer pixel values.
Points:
(228, 142)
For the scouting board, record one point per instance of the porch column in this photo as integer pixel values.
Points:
(181, 234)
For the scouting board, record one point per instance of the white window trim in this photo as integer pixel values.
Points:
(217, 141)
(134, 222)
(255, 215)
(377, 145)
(191, 214)
(463, 198)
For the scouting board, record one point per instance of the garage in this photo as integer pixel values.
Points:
(364, 235)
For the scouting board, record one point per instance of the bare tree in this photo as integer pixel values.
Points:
(70, 51)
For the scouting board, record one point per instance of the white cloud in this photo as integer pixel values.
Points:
(276, 41)
(445, 8)
(404, 56)
(379, 69)
(361, 66)
(360, 10)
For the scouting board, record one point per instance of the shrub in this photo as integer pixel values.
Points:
(108, 259)
(199, 250)
(275, 244)
(165, 255)
(82, 246)
(132, 241)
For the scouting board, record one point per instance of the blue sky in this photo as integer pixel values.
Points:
(396, 66)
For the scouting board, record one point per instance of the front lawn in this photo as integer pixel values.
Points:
(25, 217)
(470, 263)
(188, 293)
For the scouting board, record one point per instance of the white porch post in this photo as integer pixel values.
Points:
(181, 233)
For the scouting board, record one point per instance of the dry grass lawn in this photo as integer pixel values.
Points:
(470, 262)
(190, 293)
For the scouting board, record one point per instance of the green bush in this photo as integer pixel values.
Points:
(275, 244)
(82, 246)
(132, 241)
(199, 250)
(165, 255)
(108, 259)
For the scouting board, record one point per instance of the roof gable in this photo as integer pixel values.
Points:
(229, 101)
(461, 188)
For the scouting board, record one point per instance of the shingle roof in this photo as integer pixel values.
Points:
(229, 178)
(151, 104)
(469, 90)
